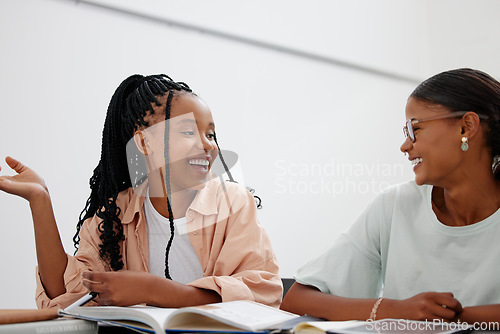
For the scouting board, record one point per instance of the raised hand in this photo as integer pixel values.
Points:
(51, 257)
(26, 183)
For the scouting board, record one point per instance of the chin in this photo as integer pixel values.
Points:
(419, 180)
(198, 185)
(419, 183)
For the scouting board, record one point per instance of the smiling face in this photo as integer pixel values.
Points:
(192, 147)
(435, 155)
(192, 142)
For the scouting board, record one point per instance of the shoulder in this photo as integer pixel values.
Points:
(407, 192)
(390, 203)
(220, 197)
(234, 190)
(128, 201)
(125, 197)
(228, 185)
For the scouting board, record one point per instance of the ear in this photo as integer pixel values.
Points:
(141, 142)
(470, 125)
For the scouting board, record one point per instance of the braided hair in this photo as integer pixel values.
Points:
(126, 113)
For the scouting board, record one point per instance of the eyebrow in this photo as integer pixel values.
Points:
(188, 120)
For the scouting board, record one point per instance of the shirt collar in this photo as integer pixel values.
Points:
(136, 202)
(205, 201)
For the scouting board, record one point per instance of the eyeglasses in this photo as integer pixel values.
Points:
(410, 132)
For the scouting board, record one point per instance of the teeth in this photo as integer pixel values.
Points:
(199, 162)
(416, 161)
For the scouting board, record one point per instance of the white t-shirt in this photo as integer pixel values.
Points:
(184, 265)
(398, 243)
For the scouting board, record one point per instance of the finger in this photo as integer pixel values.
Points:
(88, 275)
(447, 300)
(15, 165)
(4, 182)
(95, 276)
(102, 297)
(99, 299)
(103, 300)
(443, 313)
(8, 186)
(89, 280)
(93, 286)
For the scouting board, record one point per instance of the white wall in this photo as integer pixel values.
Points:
(316, 141)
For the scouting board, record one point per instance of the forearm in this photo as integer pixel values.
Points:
(162, 292)
(303, 299)
(483, 313)
(51, 257)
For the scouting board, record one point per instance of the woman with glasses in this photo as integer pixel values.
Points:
(428, 249)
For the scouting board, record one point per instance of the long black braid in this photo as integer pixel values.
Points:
(126, 113)
(130, 103)
(257, 199)
(168, 187)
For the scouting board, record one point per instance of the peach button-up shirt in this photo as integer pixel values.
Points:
(233, 248)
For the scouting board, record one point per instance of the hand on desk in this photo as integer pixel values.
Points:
(125, 288)
(120, 288)
(428, 306)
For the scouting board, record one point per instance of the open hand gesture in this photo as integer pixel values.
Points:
(26, 184)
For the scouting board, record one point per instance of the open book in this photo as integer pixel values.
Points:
(383, 326)
(235, 316)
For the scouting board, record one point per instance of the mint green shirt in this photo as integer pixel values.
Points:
(398, 248)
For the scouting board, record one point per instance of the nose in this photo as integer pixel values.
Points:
(407, 145)
(206, 143)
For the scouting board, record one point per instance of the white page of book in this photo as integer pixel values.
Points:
(241, 314)
(154, 316)
(323, 326)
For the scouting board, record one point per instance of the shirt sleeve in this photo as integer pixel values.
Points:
(352, 265)
(87, 258)
(242, 264)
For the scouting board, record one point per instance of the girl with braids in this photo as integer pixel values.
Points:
(427, 249)
(169, 234)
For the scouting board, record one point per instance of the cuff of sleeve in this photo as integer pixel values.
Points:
(267, 291)
(72, 283)
(229, 288)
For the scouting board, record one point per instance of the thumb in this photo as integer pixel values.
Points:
(15, 165)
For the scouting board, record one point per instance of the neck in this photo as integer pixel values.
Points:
(179, 202)
(471, 200)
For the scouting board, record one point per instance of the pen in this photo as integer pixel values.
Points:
(82, 301)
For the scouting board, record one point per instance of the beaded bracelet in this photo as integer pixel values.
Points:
(373, 313)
